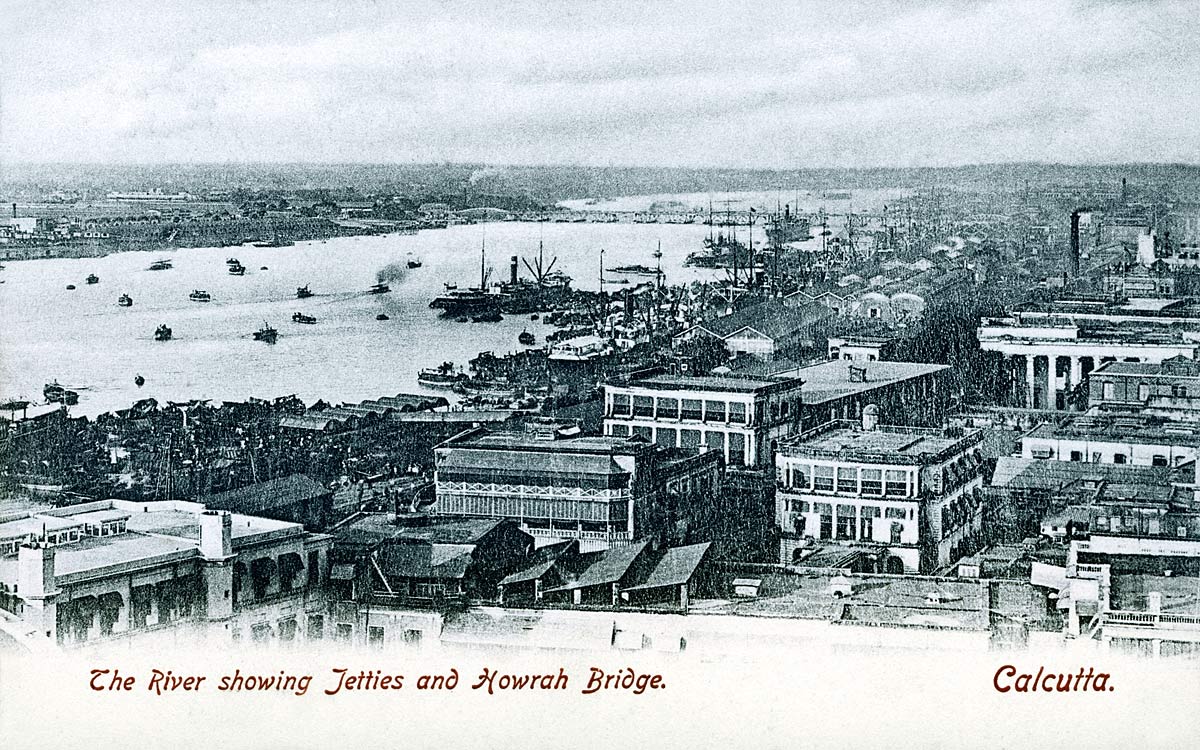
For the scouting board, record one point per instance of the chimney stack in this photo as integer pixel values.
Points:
(35, 571)
(870, 417)
(14, 210)
(512, 271)
(1073, 259)
(216, 534)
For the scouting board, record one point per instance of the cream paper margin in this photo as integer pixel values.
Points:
(811, 697)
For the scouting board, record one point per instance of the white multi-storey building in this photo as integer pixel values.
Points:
(912, 493)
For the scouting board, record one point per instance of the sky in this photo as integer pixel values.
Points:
(691, 84)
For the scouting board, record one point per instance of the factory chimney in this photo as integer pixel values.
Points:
(1073, 258)
(14, 210)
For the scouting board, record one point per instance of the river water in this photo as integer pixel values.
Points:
(85, 341)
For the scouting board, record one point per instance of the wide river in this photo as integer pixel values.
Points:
(84, 340)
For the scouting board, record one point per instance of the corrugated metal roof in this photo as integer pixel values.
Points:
(676, 567)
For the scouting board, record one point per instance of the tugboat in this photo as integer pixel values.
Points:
(199, 295)
(303, 292)
(139, 381)
(300, 317)
(162, 333)
(266, 333)
(526, 338)
(160, 265)
(93, 279)
(125, 300)
(491, 316)
(237, 270)
(443, 376)
(380, 288)
(55, 393)
(382, 316)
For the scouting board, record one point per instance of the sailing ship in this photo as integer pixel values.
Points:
(300, 317)
(199, 295)
(162, 333)
(266, 333)
(444, 375)
(125, 300)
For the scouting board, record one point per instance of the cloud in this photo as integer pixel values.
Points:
(839, 84)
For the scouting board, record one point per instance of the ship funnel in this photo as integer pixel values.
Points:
(512, 270)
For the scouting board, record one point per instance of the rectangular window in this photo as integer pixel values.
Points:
(897, 530)
(643, 406)
(894, 513)
(618, 430)
(737, 412)
(896, 483)
(412, 637)
(872, 481)
(737, 449)
(1119, 458)
(665, 437)
(666, 408)
(800, 474)
(1143, 391)
(1076, 455)
(823, 478)
(314, 567)
(714, 411)
(1107, 391)
(643, 432)
(689, 439)
(691, 410)
(316, 627)
(867, 528)
(715, 441)
(375, 636)
(345, 631)
(845, 522)
(1159, 460)
(847, 480)
(826, 527)
(620, 405)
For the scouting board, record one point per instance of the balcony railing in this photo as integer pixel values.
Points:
(602, 536)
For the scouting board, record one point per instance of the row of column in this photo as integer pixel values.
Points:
(1029, 369)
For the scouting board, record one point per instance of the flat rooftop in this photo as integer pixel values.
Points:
(732, 384)
(848, 439)
(524, 441)
(156, 533)
(830, 380)
(1120, 428)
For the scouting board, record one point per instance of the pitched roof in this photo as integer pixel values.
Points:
(675, 568)
(273, 493)
(539, 563)
(421, 560)
(771, 318)
(609, 566)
